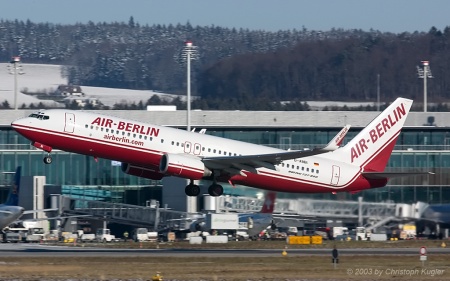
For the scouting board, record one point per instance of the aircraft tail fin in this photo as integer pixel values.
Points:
(13, 195)
(372, 147)
(269, 202)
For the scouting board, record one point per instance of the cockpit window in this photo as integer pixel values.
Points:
(39, 116)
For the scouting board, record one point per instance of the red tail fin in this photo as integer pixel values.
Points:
(269, 202)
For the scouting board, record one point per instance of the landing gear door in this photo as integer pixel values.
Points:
(69, 127)
(336, 173)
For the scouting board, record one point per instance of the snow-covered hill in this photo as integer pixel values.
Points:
(46, 78)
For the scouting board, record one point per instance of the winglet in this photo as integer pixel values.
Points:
(336, 142)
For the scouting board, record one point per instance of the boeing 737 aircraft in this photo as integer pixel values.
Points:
(10, 211)
(257, 222)
(152, 151)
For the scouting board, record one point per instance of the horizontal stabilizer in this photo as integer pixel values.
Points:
(388, 175)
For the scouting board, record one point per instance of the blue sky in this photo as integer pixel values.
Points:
(385, 15)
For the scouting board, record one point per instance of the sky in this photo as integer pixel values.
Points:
(395, 16)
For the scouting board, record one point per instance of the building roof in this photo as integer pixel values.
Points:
(256, 119)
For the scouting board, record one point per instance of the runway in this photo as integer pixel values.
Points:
(33, 250)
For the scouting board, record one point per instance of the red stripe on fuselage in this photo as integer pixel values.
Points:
(94, 147)
(288, 185)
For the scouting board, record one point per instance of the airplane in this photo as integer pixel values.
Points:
(257, 222)
(152, 151)
(10, 211)
(253, 223)
(436, 217)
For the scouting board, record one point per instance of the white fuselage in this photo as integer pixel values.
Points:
(143, 144)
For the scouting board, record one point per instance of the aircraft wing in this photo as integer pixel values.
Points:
(251, 162)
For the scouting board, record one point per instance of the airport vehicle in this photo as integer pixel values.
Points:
(154, 152)
(141, 234)
(35, 235)
(88, 237)
(15, 234)
(104, 235)
(361, 233)
(340, 232)
(250, 223)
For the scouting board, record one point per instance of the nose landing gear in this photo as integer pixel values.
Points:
(48, 159)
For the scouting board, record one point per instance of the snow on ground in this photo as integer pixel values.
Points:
(46, 78)
(35, 77)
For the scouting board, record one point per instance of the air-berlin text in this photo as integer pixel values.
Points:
(378, 132)
(126, 126)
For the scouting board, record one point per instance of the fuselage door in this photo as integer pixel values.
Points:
(197, 148)
(69, 127)
(336, 173)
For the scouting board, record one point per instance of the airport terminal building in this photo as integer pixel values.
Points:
(423, 145)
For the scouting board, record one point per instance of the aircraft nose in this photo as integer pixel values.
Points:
(19, 124)
(16, 123)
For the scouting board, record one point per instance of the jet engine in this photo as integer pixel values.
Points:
(183, 165)
(141, 172)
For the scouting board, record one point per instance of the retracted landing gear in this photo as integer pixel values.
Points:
(192, 189)
(215, 189)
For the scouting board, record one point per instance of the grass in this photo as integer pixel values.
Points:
(198, 267)
(236, 268)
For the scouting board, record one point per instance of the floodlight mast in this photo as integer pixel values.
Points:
(16, 69)
(424, 73)
(188, 49)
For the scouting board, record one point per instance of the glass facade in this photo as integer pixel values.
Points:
(417, 149)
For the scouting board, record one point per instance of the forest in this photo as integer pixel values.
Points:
(239, 68)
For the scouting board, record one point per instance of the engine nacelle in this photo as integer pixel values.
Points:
(141, 172)
(184, 166)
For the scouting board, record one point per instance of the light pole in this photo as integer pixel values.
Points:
(424, 73)
(189, 53)
(15, 68)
